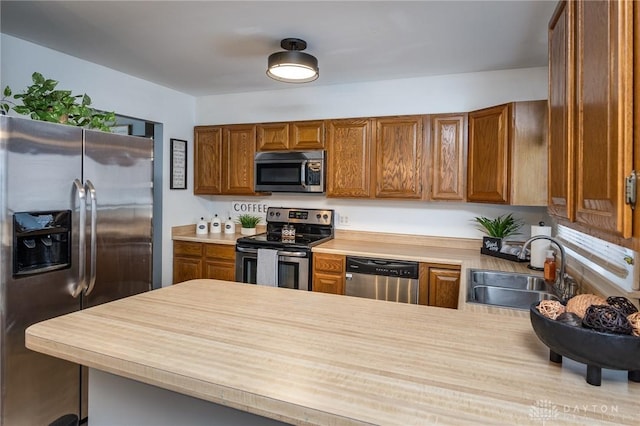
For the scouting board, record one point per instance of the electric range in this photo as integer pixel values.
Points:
(293, 269)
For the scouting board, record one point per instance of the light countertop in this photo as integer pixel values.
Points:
(457, 252)
(441, 252)
(314, 358)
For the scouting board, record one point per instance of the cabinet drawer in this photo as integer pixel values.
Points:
(328, 283)
(331, 263)
(185, 248)
(220, 251)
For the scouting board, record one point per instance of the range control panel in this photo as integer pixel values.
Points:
(307, 216)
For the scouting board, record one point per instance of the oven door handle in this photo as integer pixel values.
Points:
(280, 252)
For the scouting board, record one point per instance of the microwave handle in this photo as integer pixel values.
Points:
(303, 174)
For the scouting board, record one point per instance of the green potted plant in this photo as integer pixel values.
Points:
(42, 101)
(497, 230)
(248, 223)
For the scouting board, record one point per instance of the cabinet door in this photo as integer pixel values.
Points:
(273, 137)
(239, 143)
(604, 92)
(327, 283)
(398, 152)
(306, 135)
(444, 287)
(186, 268)
(220, 262)
(348, 158)
(219, 270)
(207, 170)
(488, 158)
(187, 261)
(636, 115)
(561, 100)
(328, 273)
(448, 154)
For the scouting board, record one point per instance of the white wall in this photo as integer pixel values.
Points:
(113, 91)
(451, 93)
(426, 95)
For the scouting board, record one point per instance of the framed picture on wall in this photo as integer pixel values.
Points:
(178, 164)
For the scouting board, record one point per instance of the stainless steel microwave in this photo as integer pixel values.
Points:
(290, 171)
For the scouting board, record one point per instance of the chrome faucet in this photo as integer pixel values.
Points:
(562, 291)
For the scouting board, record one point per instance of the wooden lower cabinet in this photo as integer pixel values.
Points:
(219, 262)
(328, 273)
(187, 261)
(193, 260)
(439, 285)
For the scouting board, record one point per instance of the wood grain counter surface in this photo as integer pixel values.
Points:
(461, 253)
(314, 358)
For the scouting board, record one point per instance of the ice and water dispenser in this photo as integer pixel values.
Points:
(41, 241)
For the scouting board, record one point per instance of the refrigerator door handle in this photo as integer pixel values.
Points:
(91, 190)
(81, 239)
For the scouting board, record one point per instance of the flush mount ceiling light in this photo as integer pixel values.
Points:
(293, 66)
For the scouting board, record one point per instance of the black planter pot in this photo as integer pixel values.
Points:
(595, 349)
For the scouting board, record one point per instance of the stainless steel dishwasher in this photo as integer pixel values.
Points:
(380, 279)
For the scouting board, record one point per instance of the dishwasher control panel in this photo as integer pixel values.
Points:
(383, 267)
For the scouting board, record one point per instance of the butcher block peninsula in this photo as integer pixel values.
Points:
(322, 359)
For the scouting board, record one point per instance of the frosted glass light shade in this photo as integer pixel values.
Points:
(293, 67)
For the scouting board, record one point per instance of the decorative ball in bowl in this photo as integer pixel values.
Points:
(596, 349)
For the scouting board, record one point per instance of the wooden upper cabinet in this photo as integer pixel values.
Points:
(348, 158)
(489, 155)
(448, 142)
(398, 152)
(239, 148)
(561, 102)
(636, 119)
(604, 120)
(291, 136)
(207, 171)
(273, 136)
(507, 156)
(307, 135)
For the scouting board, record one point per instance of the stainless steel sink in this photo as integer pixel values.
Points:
(506, 289)
(509, 280)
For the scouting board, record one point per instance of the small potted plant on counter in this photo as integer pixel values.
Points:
(497, 230)
(248, 223)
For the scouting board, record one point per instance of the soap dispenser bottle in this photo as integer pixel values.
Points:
(229, 227)
(202, 227)
(550, 267)
(216, 225)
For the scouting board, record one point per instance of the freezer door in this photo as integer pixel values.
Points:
(118, 176)
(38, 164)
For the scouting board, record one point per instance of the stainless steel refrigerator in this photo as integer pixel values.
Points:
(76, 232)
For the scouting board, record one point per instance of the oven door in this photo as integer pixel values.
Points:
(280, 176)
(293, 267)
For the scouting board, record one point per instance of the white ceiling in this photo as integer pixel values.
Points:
(212, 47)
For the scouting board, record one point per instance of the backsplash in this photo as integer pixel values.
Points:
(442, 219)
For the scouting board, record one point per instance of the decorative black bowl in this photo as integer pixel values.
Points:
(595, 349)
